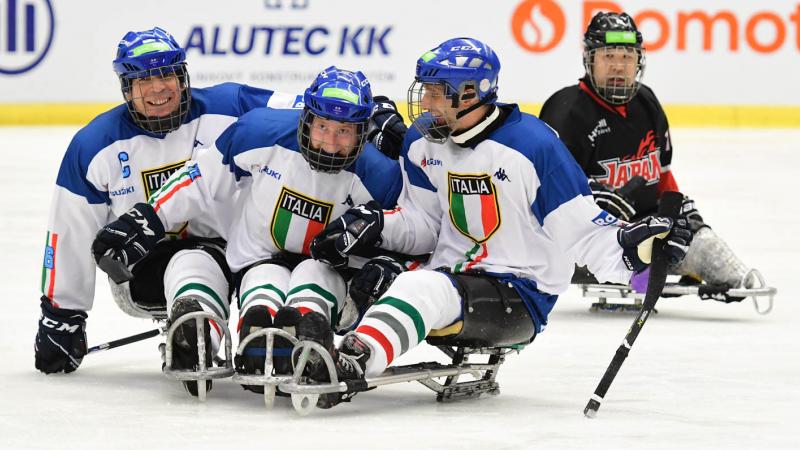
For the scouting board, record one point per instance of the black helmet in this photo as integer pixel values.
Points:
(608, 29)
(614, 31)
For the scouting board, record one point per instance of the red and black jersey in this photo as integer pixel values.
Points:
(615, 143)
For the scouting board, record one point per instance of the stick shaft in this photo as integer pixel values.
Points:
(124, 341)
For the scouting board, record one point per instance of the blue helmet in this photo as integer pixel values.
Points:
(147, 54)
(457, 64)
(342, 96)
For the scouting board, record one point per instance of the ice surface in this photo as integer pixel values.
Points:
(701, 374)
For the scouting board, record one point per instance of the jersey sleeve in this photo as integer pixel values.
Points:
(79, 208)
(206, 185)
(564, 208)
(413, 226)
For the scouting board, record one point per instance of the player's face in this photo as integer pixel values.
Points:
(157, 95)
(615, 67)
(436, 102)
(333, 137)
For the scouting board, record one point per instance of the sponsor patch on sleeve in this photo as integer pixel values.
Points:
(604, 219)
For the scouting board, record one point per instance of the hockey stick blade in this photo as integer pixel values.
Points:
(116, 270)
(669, 206)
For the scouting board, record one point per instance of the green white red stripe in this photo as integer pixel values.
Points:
(470, 259)
(293, 232)
(169, 189)
(49, 265)
(479, 228)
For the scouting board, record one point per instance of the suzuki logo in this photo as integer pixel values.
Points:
(26, 32)
(538, 25)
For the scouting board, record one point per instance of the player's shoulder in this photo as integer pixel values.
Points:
(564, 107)
(102, 131)
(529, 136)
(647, 95)
(263, 128)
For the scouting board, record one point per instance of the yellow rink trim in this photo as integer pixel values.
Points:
(724, 116)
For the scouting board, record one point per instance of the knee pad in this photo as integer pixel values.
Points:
(494, 315)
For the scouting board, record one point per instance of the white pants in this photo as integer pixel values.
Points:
(311, 286)
(417, 302)
(196, 273)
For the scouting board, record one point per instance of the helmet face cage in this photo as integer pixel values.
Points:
(311, 144)
(615, 72)
(434, 126)
(614, 57)
(151, 67)
(333, 126)
(465, 69)
(173, 81)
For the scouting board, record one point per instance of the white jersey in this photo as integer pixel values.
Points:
(112, 164)
(516, 204)
(281, 203)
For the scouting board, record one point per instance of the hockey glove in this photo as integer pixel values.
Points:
(129, 238)
(386, 128)
(61, 340)
(636, 240)
(359, 226)
(617, 202)
(373, 280)
(689, 212)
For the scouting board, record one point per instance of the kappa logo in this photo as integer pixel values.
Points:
(646, 163)
(474, 207)
(501, 175)
(297, 219)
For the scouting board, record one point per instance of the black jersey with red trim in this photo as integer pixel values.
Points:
(613, 143)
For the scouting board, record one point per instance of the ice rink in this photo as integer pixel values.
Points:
(701, 375)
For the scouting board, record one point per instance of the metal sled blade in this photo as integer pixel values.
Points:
(266, 378)
(203, 373)
(621, 291)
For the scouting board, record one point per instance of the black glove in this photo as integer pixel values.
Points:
(617, 202)
(386, 128)
(636, 240)
(358, 227)
(689, 212)
(373, 280)
(61, 340)
(129, 238)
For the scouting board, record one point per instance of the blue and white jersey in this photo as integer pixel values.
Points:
(516, 204)
(280, 203)
(112, 164)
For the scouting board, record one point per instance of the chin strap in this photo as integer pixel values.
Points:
(462, 137)
(486, 100)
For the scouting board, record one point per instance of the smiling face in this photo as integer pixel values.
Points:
(333, 137)
(155, 96)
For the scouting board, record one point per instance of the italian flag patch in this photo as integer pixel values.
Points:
(474, 208)
(297, 219)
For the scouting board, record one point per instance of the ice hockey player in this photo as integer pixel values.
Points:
(502, 205)
(292, 172)
(618, 133)
(118, 160)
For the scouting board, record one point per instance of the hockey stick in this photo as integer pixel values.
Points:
(670, 207)
(125, 341)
